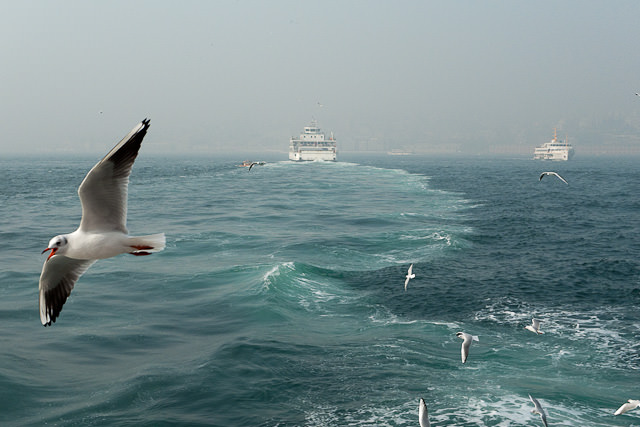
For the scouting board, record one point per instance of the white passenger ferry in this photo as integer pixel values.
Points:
(554, 150)
(312, 144)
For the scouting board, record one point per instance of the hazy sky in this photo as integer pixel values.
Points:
(475, 77)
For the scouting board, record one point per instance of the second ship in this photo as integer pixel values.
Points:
(312, 144)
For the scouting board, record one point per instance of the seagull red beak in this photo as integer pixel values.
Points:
(53, 252)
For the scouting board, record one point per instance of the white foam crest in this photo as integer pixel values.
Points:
(559, 355)
(367, 415)
(275, 271)
(577, 414)
(499, 411)
(320, 297)
(418, 248)
(384, 317)
(435, 236)
(449, 325)
(494, 410)
(509, 410)
(610, 337)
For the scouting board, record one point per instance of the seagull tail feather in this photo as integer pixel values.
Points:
(148, 244)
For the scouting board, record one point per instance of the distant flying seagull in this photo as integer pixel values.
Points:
(552, 173)
(538, 410)
(102, 232)
(534, 326)
(256, 164)
(466, 344)
(422, 414)
(631, 404)
(409, 276)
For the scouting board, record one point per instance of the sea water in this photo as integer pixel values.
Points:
(279, 299)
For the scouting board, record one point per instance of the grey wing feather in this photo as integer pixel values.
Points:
(423, 414)
(561, 178)
(59, 275)
(103, 192)
(538, 410)
(535, 403)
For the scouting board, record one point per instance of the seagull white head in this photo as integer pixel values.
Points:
(56, 244)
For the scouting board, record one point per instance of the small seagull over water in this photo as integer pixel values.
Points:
(256, 164)
(422, 414)
(538, 410)
(552, 173)
(409, 276)
(631, 404)
(534, 326)
(102, 232)
(466, 344)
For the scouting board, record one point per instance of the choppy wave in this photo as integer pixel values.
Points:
(597, 338)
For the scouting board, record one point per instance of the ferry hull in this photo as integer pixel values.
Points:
(311, 155)
(562, 155)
